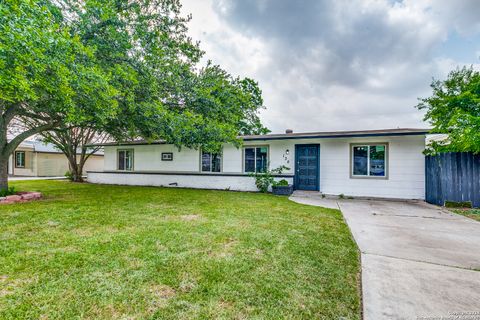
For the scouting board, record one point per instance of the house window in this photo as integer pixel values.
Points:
(19, 159)
(255, 159)
(369, 160)
(125, 160)
(211, 162)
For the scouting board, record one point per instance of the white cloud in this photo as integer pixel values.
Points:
(333, 65)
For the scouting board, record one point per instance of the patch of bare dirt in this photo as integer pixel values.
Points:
(161, 294)
(9, 286)
(161, 291)
(226, 250)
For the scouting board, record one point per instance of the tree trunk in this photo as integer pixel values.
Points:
(80, 169)
(74, 167)
(4, 155)
(77, 175)
(3, 172)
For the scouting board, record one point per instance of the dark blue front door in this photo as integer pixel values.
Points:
(307, 171)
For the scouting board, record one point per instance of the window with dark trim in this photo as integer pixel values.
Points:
(369, 160)
(211, 162)
(19, 159)
(167, 156)
(255, 159)
(125, 160)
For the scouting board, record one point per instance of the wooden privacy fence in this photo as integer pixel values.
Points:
(453, 176)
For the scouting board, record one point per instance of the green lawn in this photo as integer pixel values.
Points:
(116, 252)
(470, 213)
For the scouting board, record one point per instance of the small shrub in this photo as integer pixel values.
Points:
(7, 192)
(461, 204)
(323, 195)
(69, 175)
(263, 180)
(281, 183)
(341, 196)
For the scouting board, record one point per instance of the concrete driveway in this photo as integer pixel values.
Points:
(418, 261)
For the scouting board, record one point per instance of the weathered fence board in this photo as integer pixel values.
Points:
(453, 176)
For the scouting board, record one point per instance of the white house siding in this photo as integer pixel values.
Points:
(94, 163)
(406, 166)
(232, 159)
(212, 181)
(149, 158)
(51, 164)
(406, 169)
(56, 164)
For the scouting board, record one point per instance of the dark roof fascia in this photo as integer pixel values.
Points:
(286, 137)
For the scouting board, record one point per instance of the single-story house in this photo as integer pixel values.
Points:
(34, 158)
(372, 163)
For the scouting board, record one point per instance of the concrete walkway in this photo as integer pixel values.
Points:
(418, 261)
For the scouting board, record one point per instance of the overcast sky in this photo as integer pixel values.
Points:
(338, 64)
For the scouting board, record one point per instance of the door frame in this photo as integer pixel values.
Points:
(297, 146)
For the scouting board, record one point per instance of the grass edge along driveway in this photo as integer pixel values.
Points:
(469, 213)
(122, 252)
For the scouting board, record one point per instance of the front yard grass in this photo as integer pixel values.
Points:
(117, 252)
(470, 213)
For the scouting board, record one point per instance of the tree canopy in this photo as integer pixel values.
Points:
(122, 67)
(45, 74)
(153, 64)
(454, 109)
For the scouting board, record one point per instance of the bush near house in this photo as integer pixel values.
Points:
(7, 192)
(263, 180)
(110, 252)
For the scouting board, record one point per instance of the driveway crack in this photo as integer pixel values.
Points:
(411, 216)
(421, 261)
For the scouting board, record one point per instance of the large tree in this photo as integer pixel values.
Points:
(143, 46)
(454, 109)
(78, 144)
(43, 68)
(121, 67)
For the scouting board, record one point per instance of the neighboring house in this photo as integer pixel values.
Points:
(37, 159)
(373, 163)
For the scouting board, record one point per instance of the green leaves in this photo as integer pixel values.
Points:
(454, 109)
(125, 68)
(46, 69)
(153, 66)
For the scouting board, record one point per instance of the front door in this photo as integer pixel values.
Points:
(307, 170)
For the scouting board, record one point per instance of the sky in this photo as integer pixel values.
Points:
(327, 65)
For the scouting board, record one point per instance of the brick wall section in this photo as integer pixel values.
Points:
(20, 197)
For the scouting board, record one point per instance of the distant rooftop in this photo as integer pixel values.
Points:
(42, 147)
(302, 135)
